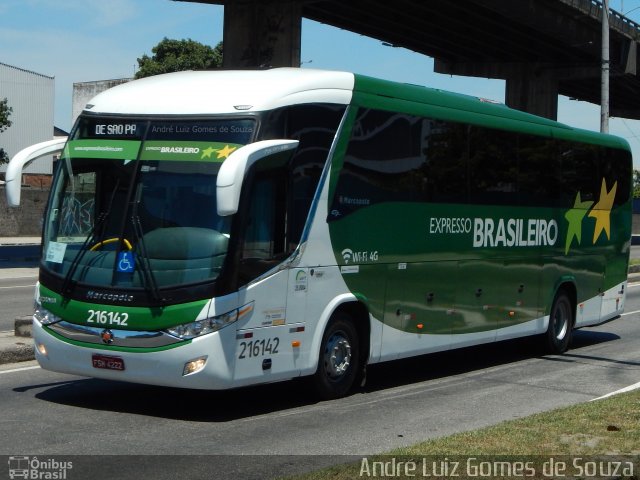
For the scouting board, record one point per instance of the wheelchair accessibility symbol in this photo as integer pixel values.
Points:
(126, 262)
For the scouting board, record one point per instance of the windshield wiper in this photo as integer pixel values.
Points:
(145, 264)
(91, 238)
(143, 258)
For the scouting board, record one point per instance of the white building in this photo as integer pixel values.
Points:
(31, 95)
(83, 92)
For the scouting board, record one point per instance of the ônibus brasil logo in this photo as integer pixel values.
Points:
(31, 467)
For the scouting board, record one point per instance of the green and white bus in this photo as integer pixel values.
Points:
(212, 230)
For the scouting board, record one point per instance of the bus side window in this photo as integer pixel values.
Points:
(493, 166)
(264, 243)
(385, 162)
(615, 168)
(580, 172)
(314, 126)
(445, 146)
(538, 171)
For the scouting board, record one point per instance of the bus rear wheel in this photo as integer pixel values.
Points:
(339, 358)
(558, 334)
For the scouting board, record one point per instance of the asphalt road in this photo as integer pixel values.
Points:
(50, 414)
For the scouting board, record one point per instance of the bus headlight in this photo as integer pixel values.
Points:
(194, 366)
(202, 327)
(44, 316)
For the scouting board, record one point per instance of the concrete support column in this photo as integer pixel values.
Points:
(534, 90)
(262, 34)
(531, 87)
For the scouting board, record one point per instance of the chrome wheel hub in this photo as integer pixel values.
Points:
(337, 356)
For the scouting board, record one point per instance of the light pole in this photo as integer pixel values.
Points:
(604, 84)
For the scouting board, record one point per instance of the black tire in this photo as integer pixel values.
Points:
(561, 321)
(339, 358)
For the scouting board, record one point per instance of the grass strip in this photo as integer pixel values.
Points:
(596, 433)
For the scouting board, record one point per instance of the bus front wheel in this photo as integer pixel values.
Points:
(558, 334)
(339, 358)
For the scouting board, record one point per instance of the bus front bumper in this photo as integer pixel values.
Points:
(200, 363)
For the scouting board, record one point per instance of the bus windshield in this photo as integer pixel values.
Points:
(133, 203)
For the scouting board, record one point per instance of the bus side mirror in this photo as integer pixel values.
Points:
(13, 176)
(234, 169)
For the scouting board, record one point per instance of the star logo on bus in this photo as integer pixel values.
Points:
(206, 153)
(225, 152)
(574, 217)
(601, 211)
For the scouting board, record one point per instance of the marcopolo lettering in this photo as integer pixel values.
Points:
(514, 232)
(112, 297)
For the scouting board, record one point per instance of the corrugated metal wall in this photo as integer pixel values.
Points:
(31, 95)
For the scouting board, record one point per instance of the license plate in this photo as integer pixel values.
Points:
(107, 362)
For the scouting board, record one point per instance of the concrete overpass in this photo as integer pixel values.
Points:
(542, 48)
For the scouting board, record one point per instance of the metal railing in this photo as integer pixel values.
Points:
(617, 20)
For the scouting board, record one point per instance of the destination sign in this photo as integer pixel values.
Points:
(232, 131)
(111, 129)
(127, 129)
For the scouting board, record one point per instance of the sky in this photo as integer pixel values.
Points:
(87, 40)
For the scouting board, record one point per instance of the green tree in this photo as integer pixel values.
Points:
(636, 184)
(5, 112)
(176, 55)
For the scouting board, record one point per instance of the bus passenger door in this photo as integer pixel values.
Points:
(265, 350)
(273, 345)
(261, 338)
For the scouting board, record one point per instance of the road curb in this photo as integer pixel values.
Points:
(17, 346)
(16, 350)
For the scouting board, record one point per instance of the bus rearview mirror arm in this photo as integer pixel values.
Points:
(234, 169)
(13, 176)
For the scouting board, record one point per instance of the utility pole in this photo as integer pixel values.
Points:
(604, 84)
